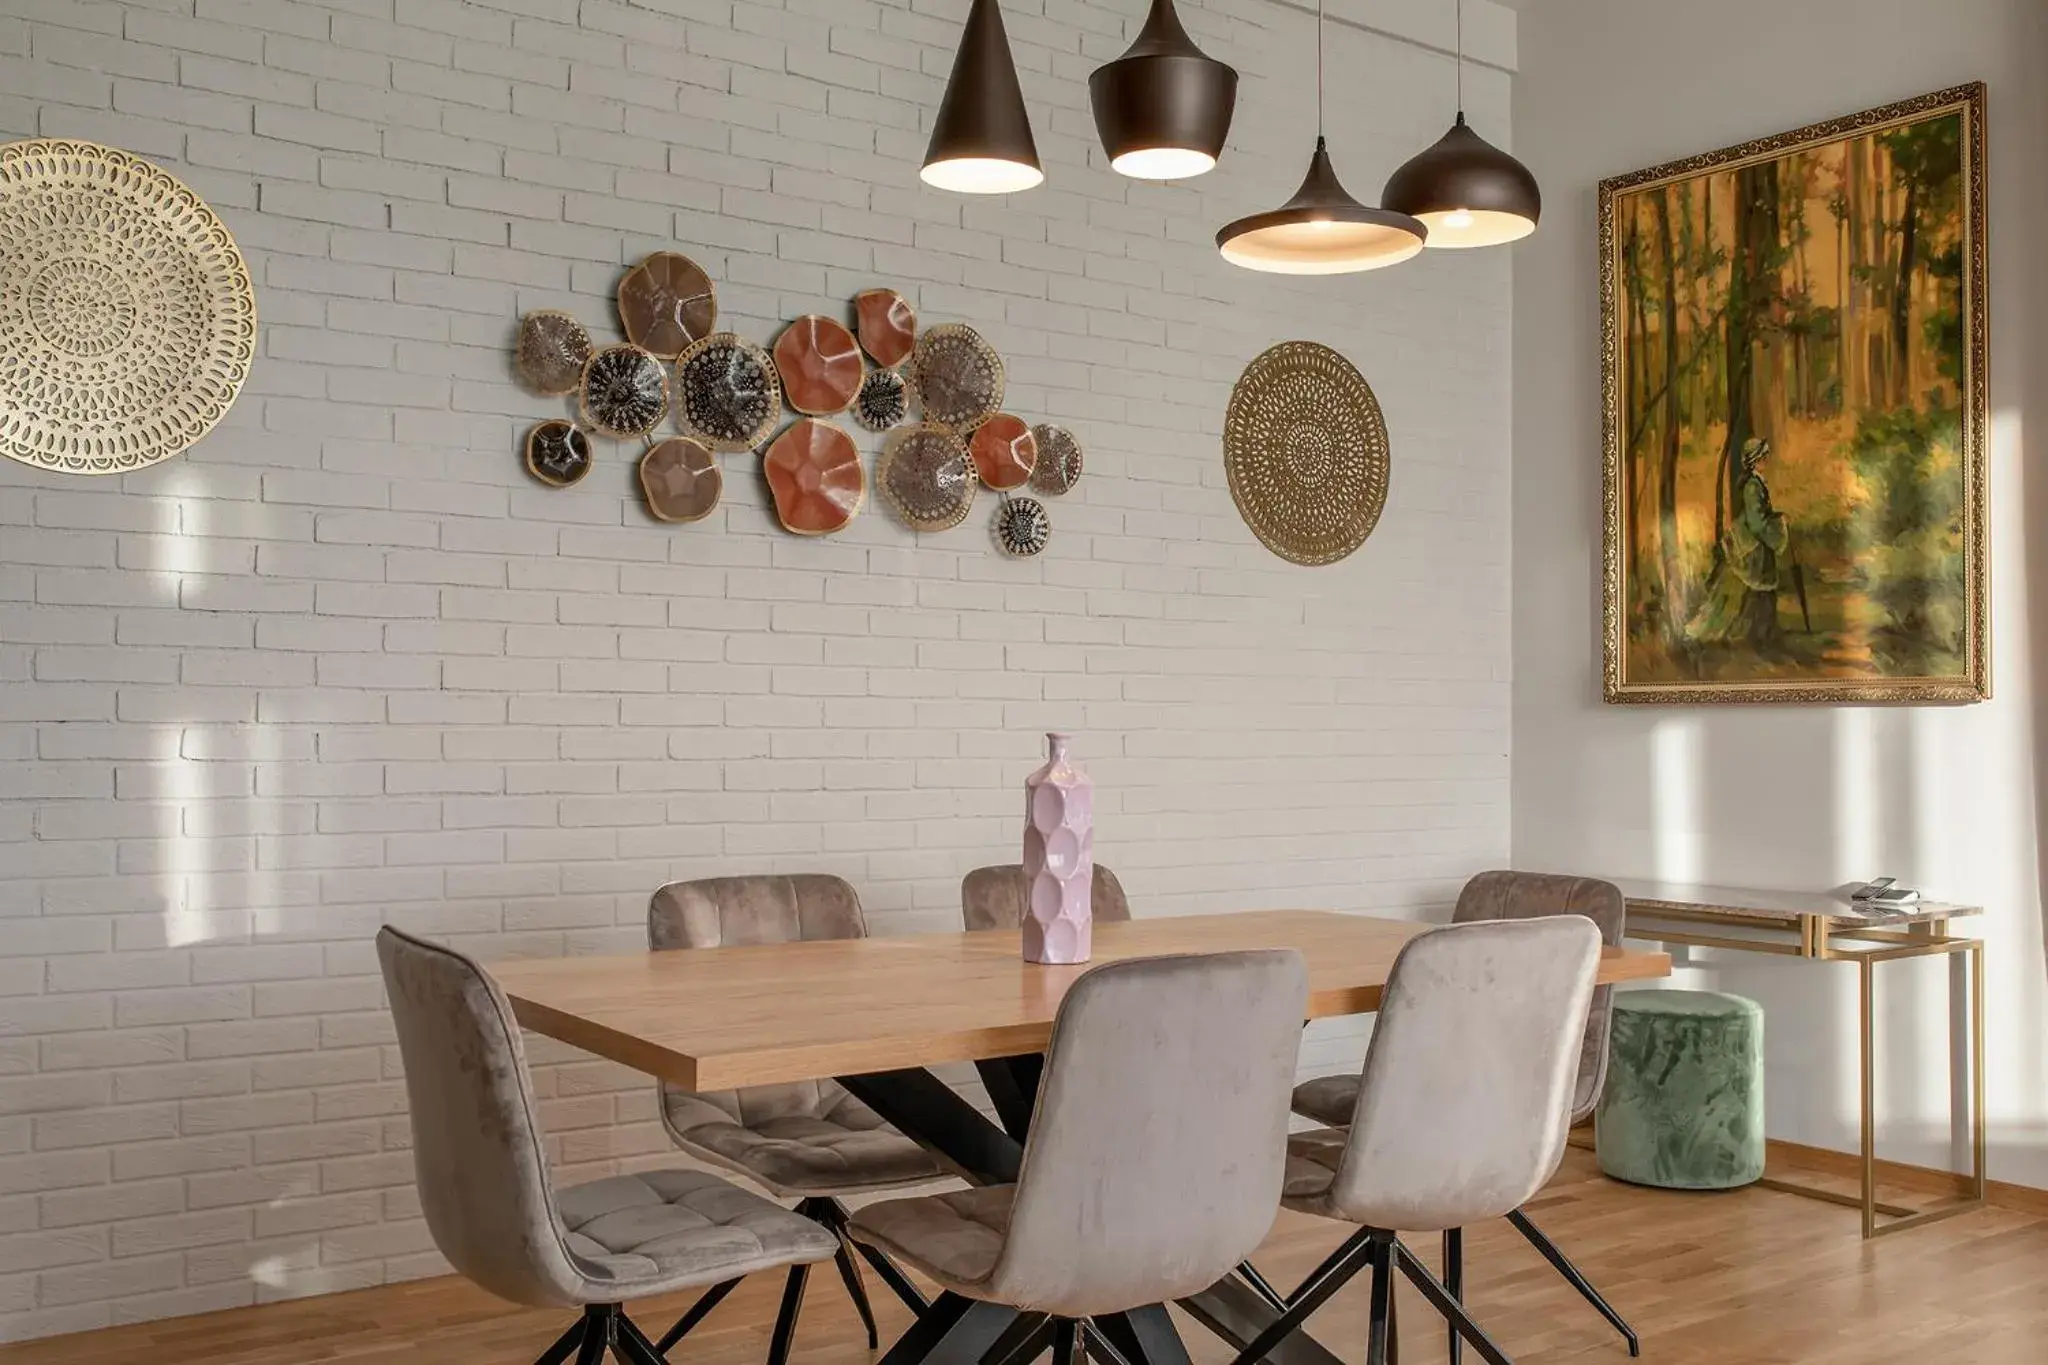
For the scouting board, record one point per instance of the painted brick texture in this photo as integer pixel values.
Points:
(346, 663)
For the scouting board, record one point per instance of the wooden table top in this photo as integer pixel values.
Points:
(1647, 898)
(716, 1018)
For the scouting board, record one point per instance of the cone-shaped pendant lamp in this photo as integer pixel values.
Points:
(1322, 230)
(1163, 108)
(981, 140)
(1470, 192)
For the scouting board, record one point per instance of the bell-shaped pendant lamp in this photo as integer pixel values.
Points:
(1322, 230)
(1470, 192)
(1163, 108)
(981, 140)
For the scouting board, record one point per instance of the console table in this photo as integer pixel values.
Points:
(1827, 928)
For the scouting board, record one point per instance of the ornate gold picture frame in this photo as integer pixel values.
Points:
(1793, 345)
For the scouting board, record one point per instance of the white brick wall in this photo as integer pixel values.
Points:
(345, 662)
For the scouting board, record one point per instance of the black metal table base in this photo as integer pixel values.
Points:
(926, 1108)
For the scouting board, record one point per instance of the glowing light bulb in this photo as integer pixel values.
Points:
(1458, 218)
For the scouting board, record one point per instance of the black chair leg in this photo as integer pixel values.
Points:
(1249, 1273)
(1454, 1281)
(1328, 1278)
(711, 1299)
(633, 1346)
(1066, 1343)
(784, 1335)
(892, 1275)
(1377, 1325)
(1578, 1281)
(849, 1271)
(598, 1322)
(1441, 1300)
(564, 1346)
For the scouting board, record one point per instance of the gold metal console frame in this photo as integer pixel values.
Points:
(1825, 930)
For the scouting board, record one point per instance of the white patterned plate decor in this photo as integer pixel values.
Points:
(1059, 460)
(1022, 526)
(127, 315)
(1305, 446)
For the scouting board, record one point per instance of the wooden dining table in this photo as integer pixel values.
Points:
(877, 1013)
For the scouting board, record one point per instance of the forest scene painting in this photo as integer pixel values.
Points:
(1794, 335)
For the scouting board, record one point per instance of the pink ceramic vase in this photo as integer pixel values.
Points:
(1059, 859)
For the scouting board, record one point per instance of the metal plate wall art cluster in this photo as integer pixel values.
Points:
(127, 314)
(723, 394)
(1305, 446)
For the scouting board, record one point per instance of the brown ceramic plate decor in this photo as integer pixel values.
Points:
(553, 349)
(883, 401)
(625, 391)
(819, 364)
(958, 376)
(928, 477)
(730, 394)
(815, 475)
(888, 326)
(1059, 460)
(1022, 526)
(557, 453)
(667, 303)
(681, 479)
(1005, 452)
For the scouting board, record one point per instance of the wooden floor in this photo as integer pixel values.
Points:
(1734, 1279)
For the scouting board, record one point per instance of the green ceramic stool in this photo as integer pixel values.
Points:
(1684, 1104)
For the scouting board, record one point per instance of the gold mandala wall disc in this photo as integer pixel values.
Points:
(127, 316)
(1305, 445)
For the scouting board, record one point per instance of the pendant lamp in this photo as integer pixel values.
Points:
(1322, 230)
(1163, 109)
(1470, 192)
(981, 140)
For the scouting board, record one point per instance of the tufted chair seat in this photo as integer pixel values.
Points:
(810, 1138)
(643, 1234)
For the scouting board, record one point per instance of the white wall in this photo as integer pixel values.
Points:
(345, 662)
(1787, 796)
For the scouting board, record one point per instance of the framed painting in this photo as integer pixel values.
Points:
(1793, 338)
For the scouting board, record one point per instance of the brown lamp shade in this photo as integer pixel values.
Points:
(1469, 192)
(981, 140)
(1163, 109)
(1322, 230)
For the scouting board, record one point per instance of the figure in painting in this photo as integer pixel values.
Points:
(1741, 605)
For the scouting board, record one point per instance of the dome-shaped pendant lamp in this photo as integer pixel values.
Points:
(1322, 230)
(1470, 192)
(1163, 108)
(981, 140)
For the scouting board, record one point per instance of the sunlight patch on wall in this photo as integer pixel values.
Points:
(1677, 783)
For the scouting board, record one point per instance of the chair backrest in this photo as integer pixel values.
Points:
(1534, 895)
(483, 1179)
(727, 911)
(995, 897)
(720, 912)
(1463, 1108)
(1159, 1146)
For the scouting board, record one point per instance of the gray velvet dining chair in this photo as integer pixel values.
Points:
(1519, 896)
(1462, 1114)
(809, 1141)
(1156, 1158)
(995, 897)
(488, 1200)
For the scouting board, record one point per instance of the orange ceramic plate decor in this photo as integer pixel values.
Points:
(815, 475)
(820, 365)
(1005, 452)
(888, 326)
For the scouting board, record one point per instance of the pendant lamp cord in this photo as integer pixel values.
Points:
(1319, 69)
(1461, 58)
